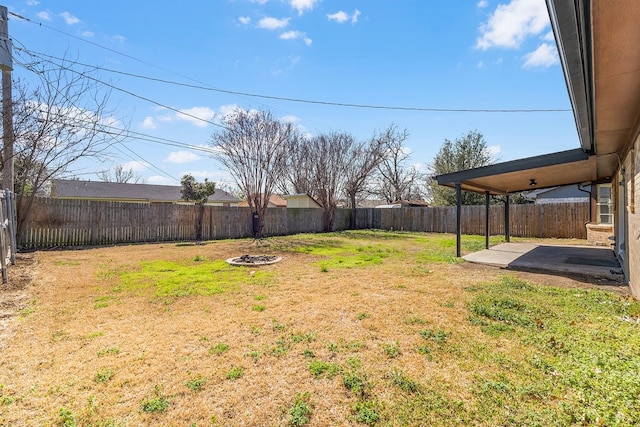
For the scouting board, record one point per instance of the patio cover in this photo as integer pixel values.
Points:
(548, 170)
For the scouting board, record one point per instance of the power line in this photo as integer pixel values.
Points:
(128, 92)
(281, 98)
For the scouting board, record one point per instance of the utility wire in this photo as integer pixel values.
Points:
(128, 92)
(281, 98)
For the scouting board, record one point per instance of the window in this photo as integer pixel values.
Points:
(603, 204)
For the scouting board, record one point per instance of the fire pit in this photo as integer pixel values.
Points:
(254, 260)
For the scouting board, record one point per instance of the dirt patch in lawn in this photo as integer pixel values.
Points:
(80, 342)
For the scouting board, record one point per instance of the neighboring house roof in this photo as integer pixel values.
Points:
(275, 201)
(566, 193)
(97, 190)
(412, 203)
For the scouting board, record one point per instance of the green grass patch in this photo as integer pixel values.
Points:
(367, 412)
(300, 411)
(235, 373)
(321, 369)
(348, 250)
(219, 348)
(108, 351)
(441, 248)
(102, 301)
(157, 402)
(103, 375)
(578, 349)
(191, 277)
(197, 383)
(403, 382)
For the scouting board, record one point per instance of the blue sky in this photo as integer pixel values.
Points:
(416, 54)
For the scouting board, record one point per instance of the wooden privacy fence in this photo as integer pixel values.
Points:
(554, 220)
(59, 222)
(8, 244)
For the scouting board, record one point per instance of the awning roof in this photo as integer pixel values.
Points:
(548, 170)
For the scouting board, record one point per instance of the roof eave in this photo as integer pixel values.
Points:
(571, 25)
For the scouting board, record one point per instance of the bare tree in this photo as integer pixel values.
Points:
(326, 154)
(64, 118)
(254, 148)
(330, 167)
(297, 179)
(396, 179)
(120, 175)
(361, 161)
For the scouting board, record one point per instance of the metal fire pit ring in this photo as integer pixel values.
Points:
(253, 260)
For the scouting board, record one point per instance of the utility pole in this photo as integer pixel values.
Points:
(7, 101)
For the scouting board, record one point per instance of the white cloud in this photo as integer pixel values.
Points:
(494, 150)
(269, 23)
(290, 119)
(245, 20)
(33, 3)
(259, 1)
(88, 33)
(340, 16)
(182, 157)
(44, 15)
(135, 165)
(293, 35)
(355, 16)
(110, 121)
(198, 116)
(510, 24)
(303, 5)
(149, 123)
(545, 55)
(69, 18)
(228, 109)
(160, 180)
(482, 4)
(215, 176)
(549, 37)
(120, 39)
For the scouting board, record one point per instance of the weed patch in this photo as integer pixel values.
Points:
(103, 375)
(321, 369)
(156, 402)
(197, 383)
(219, 349)
(235, 373)
(179, 279)
(108, 351)
(300, 412)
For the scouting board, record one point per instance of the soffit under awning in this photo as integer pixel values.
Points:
(548, 170)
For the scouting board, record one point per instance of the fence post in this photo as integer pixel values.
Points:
(10, 203)
(3, 241)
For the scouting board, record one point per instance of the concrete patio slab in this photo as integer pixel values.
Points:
(592, 263)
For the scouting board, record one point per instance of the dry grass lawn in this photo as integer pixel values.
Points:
(90, 337)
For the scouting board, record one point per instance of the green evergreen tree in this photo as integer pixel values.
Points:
(466, 152)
